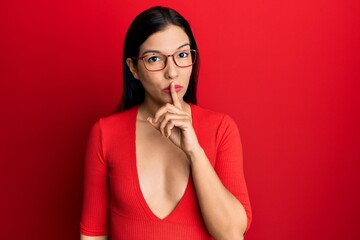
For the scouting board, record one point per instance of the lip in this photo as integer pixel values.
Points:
(177, 88)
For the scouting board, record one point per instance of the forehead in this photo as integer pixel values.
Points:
(165, 41)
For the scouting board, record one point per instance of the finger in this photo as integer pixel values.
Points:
(168, 108)
(170, 119)
(174, 96)
(168, 128)
(174, 125)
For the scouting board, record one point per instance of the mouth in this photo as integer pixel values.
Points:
(177, 88)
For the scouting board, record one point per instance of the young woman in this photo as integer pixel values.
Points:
(163, 167)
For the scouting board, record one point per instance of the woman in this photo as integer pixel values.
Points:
(162, 167)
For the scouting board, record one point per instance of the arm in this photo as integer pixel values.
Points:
(223, 213)
(95, 209)
(83, 237)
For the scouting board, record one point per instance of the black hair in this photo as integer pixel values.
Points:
(150, 21)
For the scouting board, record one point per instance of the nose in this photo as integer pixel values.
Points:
(171, 70)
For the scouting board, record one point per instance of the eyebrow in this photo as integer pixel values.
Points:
(157, 51)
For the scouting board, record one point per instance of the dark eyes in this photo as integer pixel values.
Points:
(153, 59)
(183, 54)
(162, 58)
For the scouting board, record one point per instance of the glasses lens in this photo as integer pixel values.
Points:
(157, 61)
(154, 62)
(185, 58)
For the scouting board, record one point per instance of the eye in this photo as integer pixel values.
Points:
(153, 59)
(183, 54)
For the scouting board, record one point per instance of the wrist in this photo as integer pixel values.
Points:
(195, 154)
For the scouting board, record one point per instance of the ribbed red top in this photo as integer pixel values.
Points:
(113, 203)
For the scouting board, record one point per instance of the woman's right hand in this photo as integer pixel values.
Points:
(174, 122)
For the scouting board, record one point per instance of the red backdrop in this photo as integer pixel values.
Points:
(286, 71)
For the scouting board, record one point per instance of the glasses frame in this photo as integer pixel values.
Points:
(166, 59)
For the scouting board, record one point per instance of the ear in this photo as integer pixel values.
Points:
(132, 68)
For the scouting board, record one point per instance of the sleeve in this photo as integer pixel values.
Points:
(95, 211)
(229, 163)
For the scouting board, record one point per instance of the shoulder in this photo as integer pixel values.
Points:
(119, 121)
(216, 131)
(120, 116)
(210, 119)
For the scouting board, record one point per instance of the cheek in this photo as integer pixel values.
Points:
(144, 75)
(150, 78)
(141, 71)
(186, 76)
(187, 73)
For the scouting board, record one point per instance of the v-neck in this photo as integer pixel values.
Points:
(139, 192)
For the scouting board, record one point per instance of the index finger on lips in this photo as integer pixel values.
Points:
(174, 96)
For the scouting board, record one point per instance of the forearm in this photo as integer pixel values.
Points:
(223, 214)
(83, 237)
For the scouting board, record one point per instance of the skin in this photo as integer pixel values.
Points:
(164, 125)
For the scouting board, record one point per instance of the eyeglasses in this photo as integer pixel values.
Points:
(157, 61)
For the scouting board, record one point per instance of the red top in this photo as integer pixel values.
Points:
(113, 202)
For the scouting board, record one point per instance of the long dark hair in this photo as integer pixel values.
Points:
(146, 23)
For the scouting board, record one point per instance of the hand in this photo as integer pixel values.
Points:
(174, 123)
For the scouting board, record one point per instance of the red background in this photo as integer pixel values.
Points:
(286, 71)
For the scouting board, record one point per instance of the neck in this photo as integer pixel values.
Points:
(147, 109)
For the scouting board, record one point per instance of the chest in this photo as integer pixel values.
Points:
(163, 170)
